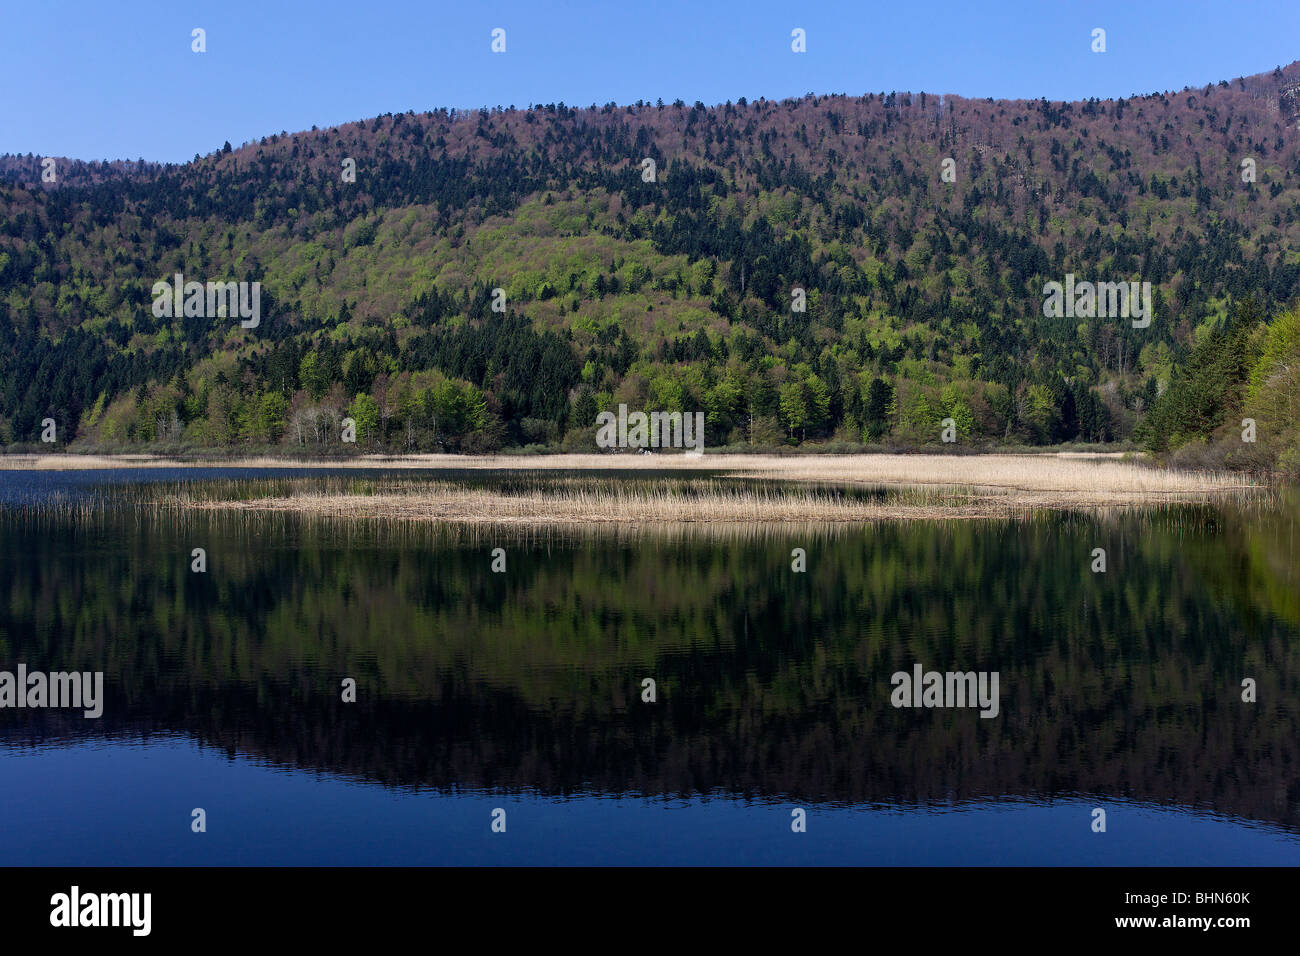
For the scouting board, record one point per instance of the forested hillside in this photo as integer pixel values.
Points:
(922, 298)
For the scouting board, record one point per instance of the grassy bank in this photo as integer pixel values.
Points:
(1061, 471)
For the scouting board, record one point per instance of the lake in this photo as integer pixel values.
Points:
(501, 716)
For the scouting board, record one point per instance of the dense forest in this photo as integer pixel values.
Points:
(828, 269)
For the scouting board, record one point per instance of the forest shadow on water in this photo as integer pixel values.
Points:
(772, 685)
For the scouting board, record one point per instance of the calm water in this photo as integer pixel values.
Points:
(522, 690)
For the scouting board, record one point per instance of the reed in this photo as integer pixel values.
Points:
(588, 500)
(643, 491)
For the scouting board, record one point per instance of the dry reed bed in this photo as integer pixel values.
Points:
(466, 506)
(571, 501)
(710, 489)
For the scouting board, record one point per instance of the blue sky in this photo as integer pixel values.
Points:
(96, 80)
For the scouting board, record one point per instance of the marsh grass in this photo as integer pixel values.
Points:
(591, 499)
(644, 491)
(361, 510)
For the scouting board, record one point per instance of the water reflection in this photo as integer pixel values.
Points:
(772, 685)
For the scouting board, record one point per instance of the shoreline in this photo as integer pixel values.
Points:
(1060, 470)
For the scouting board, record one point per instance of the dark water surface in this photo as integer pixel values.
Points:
(522, 690)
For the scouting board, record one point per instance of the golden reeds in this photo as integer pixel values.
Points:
(661, 490)
(577, 500)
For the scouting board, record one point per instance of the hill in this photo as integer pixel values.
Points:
(674, 284)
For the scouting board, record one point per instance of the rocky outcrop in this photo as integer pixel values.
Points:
(1289, 103)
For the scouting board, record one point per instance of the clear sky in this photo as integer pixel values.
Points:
(117, 80)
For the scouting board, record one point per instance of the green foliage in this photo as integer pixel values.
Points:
(794, 407)
(924, 302)
(880, 409)
(1207, 389)
(364, 410)
(1273, 393)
